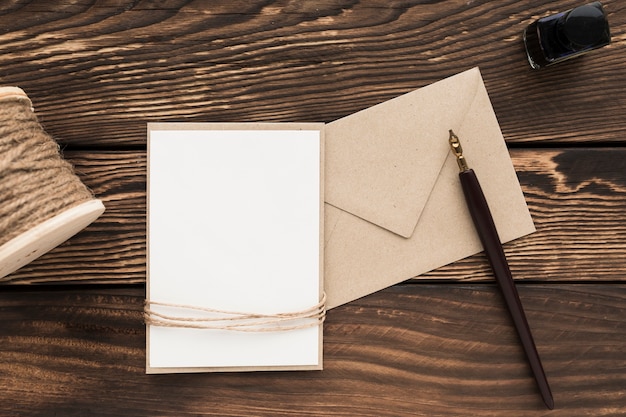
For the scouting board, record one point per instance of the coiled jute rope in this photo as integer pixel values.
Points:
(42, 201)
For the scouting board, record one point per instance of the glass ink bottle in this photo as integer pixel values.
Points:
(566, 35)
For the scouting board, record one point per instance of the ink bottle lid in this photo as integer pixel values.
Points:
(565, 35)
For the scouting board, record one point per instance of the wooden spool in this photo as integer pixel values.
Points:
(47, 235)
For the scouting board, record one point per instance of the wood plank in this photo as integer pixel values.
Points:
(576, 197)
(419, 350)
(98, 71)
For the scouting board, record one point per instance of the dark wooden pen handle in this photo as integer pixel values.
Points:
(488, 234)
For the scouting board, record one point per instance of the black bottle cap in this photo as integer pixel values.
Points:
(585, 25)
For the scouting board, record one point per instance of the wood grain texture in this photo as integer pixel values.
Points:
(97, 71)
(577, 198)
(419, 350)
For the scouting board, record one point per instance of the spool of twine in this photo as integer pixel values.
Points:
(42, 201)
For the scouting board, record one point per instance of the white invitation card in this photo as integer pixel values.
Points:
(235, 230)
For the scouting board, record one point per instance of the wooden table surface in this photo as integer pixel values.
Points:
(441, 344)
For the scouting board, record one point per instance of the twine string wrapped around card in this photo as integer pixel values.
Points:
(36, 186)
(214, 319)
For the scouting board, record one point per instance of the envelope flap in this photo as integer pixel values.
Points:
(382, 162)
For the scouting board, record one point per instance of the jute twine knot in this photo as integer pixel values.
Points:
(193, 317)
(36, 183)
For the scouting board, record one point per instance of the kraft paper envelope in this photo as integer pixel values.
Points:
(394, 209)
(394, 206)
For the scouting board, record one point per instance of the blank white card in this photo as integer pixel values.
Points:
(234, 223)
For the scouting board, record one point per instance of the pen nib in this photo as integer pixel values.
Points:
(455, 144)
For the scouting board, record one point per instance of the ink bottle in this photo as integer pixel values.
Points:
(565, 35)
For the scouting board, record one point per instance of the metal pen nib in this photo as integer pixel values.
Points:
(455, 144)
(481, 215)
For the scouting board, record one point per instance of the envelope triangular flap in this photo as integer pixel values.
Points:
(382, 162)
